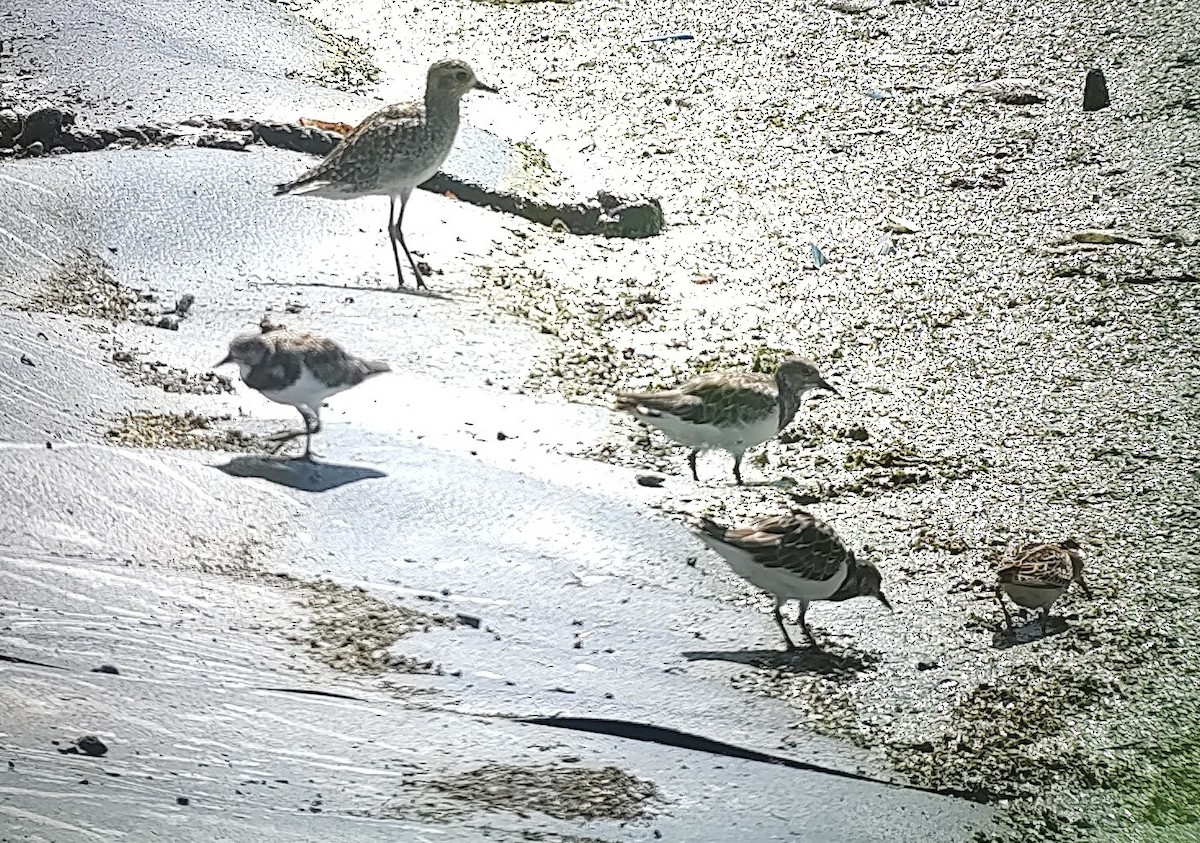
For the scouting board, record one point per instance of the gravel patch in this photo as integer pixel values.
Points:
(560, 790)
(186, 431)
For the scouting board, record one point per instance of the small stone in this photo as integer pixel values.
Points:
(184, 304)
(1095, 91)
(106, 668)
(91, 745)
(133, 133)
(182, 800)
(501, 436)
(468, 620)
(169, 322)
(928, 664)
(10, 127)
(221, 139)
(653, 481)
(25, 358)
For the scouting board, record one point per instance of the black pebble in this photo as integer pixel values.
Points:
(469, 620)
(91, 745)
(1095, 91)
(106, 668)
(182, 800)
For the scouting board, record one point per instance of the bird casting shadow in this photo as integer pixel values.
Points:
(1027, 633)
(404, 291)
(299, 473)
(805, 660)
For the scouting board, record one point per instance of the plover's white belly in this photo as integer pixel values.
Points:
(778, 581)
(1032, 598)
(307, 391)
(706, 436)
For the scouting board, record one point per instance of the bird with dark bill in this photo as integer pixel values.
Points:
(1035, 575)
(394, 150)
(729, 411)
(794, 557)
(298, 369)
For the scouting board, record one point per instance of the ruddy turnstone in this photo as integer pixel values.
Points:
(729, 411)
(394, 150)
(300, 369)
(1036, 575)
(794, 557)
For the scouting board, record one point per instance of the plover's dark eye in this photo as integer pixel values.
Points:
(461, 76)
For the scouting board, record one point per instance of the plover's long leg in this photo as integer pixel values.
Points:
(692, 463)
(1087, 592)
(779, 621)
(804, 625)
(737, 468)
(312, 426)
(1007, 614)
(391, 230)
(398, 236)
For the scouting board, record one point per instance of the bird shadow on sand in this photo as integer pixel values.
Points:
(403, 291)
(1027, 633)
(840, 662)
(299, 473)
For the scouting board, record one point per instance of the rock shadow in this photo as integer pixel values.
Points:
(305, 475)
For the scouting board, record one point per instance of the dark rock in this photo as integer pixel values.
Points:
(653, 481)
(222, 139)
(296, 138)
(928, 664)
(132, 132)
(108, 668)
(629, 216)
(91, 745)
(184, 304)
(10, 127)
(153, 133)
(45, 125)
(169, 322)
(857, 433)
(35, 149)
(501, 436)
(1095, 91)
(233, 124)
(60, 150)
(469, 620)
(182, 800)
(107, 136)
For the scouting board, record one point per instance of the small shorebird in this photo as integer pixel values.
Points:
(729, 411)
(1036, 575)
(298, 369)
(394, 150)
(794, 557)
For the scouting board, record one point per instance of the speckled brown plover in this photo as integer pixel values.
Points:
(1036, 575)
(729, 411)
(794, 557)
(298, 369)
(394, 150)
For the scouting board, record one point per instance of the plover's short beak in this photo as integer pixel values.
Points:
(885, 601)
(825, 385)
(228, 358)
(479, 86)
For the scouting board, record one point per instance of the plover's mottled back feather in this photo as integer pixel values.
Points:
(358, 161)
(1036, 575)
(798, 543)
(715, 398)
